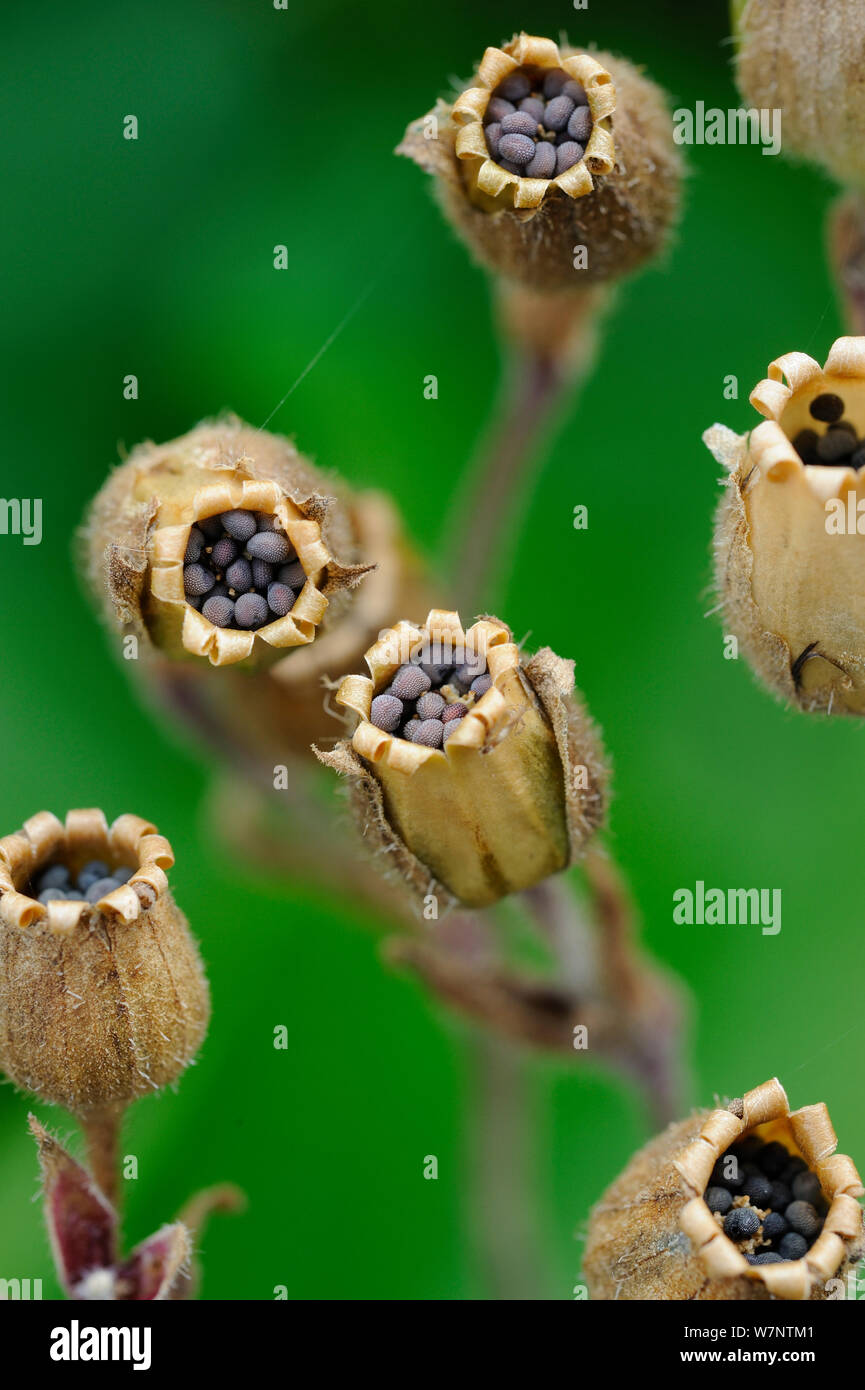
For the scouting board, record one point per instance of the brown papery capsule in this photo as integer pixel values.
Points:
(789, 555)
(138, 532)
(805, 59)
(653, 1236)
(618, 201)
(100, 1002)
(510, 794)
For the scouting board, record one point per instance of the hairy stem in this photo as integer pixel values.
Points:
(102, 1138)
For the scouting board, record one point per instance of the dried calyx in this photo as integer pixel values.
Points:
(702, 1211)
(241, 570)
(221, 545)
(472, 768)
(789, 545)
(538, 122)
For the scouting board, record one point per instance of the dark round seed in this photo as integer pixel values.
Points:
(266, 521)
(280, 599)
(410, 682)
(805, 444)
(836, 444)
(718, 1199)
(543, 166)
(293, 575)
(250, 611)
(410, 729)
(509, 166)
(121, 875)
(210, 527)
(55, 876)
(796, 1165)
(480, 685)
(558, 112)
(519, 123)
(272, 546)
(514, 87)
(803, 1219)
(773, 1158)
(780, 1197)
(793, 1246)
(96, 868)
(262, 574)
(741, 1223)
(518, 149)
(758, 1189)
(197, 580)
(99, 889)
(774, 1226)
(430, 733)
(451, 714)
(465, 674)
(857, 459)
(223, 553)
(51, 895)
(239, 575)
(567, 155)
(493, 134)
(239, 524)
(768, 1257)
(497, 108)
(728, 1173)
(194, 546)
(576, 91)
(430, 705)
(437, 674)
(534, 107)
(218, 610)
(827, 407)
(448, 729)
(806, 1188)
(386, 713)
(580, 124)
(554, 81)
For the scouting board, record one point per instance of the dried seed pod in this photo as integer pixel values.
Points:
(618, 199)
(513, 794)
(160, 506)
(99, 1002)
(653, 1235)
(789, 556)
(805, 59)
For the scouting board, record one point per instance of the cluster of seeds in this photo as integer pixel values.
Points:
(91, 883)
(241, 570)
(424, 703)
(839, 444)
(771, 1204)
(538, 123)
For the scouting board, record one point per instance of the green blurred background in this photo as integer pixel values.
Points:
(259, 127)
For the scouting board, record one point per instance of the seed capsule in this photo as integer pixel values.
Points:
(490, 801)
(789, 553)
(104, 999)
(200, 500)
(615, 191)
(658, 1233)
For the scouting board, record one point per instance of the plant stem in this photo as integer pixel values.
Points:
(504, 1178)
(102, 1138)
(549, 344)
